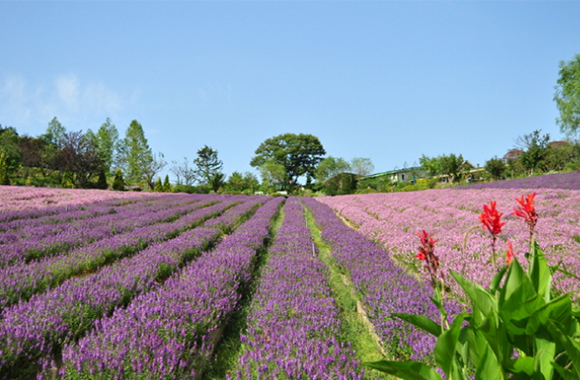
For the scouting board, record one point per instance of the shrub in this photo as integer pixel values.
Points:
(118, 182)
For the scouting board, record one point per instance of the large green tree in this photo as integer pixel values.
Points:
(55, 132)
(330, 167)
(10, 154)
(209, 167)
(535, 149)
(453, 166)
(362, 166)
(78, 158)
(431, 164)
(138, 155)
(107, 139)
(496, 168)
(298, 154)
(273, 175)
(567, 96)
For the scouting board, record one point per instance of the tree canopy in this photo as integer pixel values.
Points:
(107, 139)
(209, 167)
(453, 165)
(298, 154)
(79, 158)
(535, 149)
(362, 166)
(567, 96)
(138, 154)
(330, 167)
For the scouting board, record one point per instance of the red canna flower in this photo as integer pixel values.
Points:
(509, 255)
(421, 256)
(426, 254)
(527, 211)
(426, 240)
(491, 219)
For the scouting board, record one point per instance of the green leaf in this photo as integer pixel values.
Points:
(480, 299)
(495, 282)
(405, 370)
(565, 373)
(572, 347)
(540, 272)
(422, 322)
(436, 299)
(445, 348)
(489, 368)
(523, 364)
(517, 288)
(545, 352)
(558, 309)
(476, 342)
(495, 335)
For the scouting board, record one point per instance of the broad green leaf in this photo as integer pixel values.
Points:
(517, 288)
(565, 373)
(479, 298)
(545, 352)
(489, 368)
(572, 347)
(558, 309)
(540, 272)
(494, 285)
(405, 370)
(496, 337)
(477, 343)
(523, 364)
(445, 348)
(436, 299)
(422, 322)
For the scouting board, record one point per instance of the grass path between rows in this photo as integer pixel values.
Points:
(355, 327)
(230, 345)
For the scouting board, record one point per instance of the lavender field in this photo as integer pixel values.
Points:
(178, 286)
(393, 221)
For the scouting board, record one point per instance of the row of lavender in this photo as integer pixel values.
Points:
(294, 321)
(27, 201)
(59, 215)
(570, 181)
(31, 332)
(22, 280)
(169, 332)
(384, 287)
(394, 219)
(38, 240)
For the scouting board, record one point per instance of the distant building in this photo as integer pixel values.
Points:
(558, 144)
(411, 174)
(512, 155)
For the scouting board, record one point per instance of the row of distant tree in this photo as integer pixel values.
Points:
(532, 154)
(77, 159)
(102, 159)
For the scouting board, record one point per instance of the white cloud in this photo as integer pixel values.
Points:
(67, 88)
(77, 105)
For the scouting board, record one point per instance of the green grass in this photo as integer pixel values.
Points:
(354, 327)
(230, 345)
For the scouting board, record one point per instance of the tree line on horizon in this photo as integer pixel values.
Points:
(103, 159)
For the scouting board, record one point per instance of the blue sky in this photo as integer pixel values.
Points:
(387, 80)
